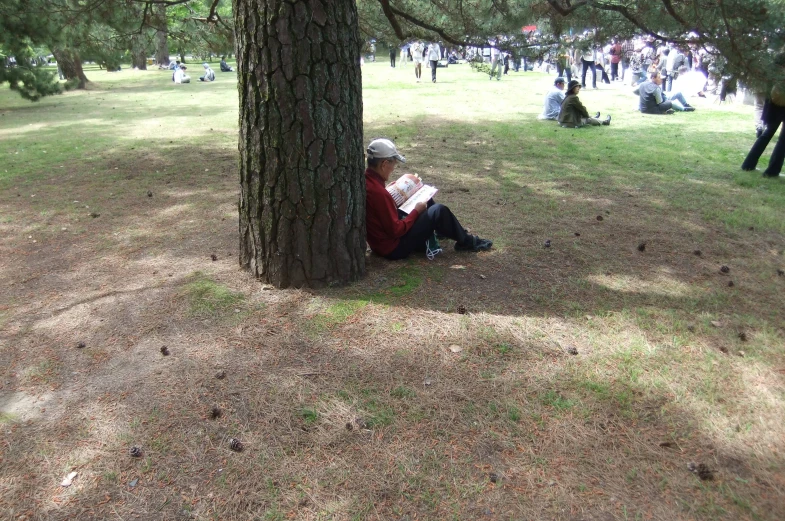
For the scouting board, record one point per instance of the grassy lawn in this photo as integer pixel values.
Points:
(580, 383)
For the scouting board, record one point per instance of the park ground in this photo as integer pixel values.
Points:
(580, 381)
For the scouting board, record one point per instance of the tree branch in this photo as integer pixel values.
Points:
(671, 11)
(144, 17)
(387, 10)
(564, 10)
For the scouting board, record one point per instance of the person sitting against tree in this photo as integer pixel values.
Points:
(209, 75)
(553, 100)
(573, 114)
(654, 101)
(394, 236)
(224, 66)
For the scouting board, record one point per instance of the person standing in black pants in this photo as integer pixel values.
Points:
(393, 53)
(773, 117)
(588, 62)
(434, 55)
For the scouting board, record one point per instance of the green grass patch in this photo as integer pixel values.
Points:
(403, 392)
(333, 316)
(309, 415)
(208, 298)
(557, 401)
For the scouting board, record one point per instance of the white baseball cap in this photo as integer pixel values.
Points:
(384, 149)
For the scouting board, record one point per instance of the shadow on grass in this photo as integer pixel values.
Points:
(511, 426)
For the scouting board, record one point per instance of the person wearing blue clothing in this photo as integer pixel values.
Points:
(553, 100)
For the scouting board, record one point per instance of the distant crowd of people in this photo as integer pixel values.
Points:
(180, 76)
(419, 53)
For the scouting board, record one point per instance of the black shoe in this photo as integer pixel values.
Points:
(607, 120)
(767, 174)
(474, 243)
(689, 109)
(748, 169)
(597, 115)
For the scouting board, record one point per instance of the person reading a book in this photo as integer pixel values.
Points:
(390, 232)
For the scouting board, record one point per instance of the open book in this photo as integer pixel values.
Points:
(408, 190)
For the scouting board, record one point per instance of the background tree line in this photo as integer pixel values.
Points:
(107, 32)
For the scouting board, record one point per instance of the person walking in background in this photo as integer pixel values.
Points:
(393, 54)
(599, 63)
(564, 64)
(404, 54)
(627, 50)
(588, 62)
(773, 117)
(637, 74)
(615, 52)
(497, 64)
(434, 55)
(417, 56)
(673, 64)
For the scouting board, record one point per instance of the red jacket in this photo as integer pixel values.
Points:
(382, 224)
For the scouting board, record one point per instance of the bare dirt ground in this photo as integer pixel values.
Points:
(575, 382)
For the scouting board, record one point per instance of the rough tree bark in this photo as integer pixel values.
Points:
(71, 65)
(138, 54)
(161, 37)
(302, 190)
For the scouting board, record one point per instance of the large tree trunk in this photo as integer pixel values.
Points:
(71, 65)
(161, 35)
(138, 54)
(302, 189)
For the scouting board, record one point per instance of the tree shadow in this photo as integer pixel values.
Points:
(350, 401)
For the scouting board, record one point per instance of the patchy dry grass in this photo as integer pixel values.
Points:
(579, 384)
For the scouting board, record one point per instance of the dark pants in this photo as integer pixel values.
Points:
(392, 60)
(661, 108)
(604, 74)
(614, 71)
(434, 63)
(776, 115)
(586, 67)
(438, 218)
(563, 70)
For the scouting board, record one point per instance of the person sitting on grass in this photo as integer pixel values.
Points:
(209, 75)
(654, 101)
(224, 66)
(179, 75)
(394, 236)
(553, 100)
(573, 114)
